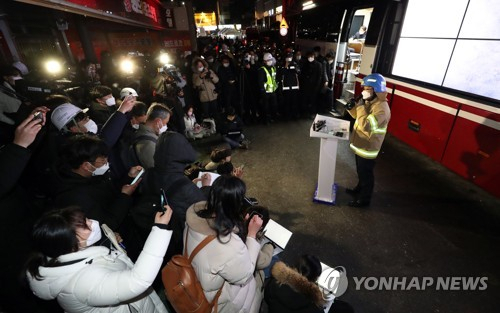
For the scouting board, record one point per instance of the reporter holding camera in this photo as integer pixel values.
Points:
(204, 80)
(372, 114)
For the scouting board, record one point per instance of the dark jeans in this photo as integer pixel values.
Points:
(366, 179)
(233, 142)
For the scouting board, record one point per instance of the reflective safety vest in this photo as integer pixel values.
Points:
(270, 85)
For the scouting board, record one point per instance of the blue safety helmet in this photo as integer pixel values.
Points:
(376, 81)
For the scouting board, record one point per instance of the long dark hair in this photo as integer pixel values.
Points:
(309, 266)
(224, 205)
(54, 234)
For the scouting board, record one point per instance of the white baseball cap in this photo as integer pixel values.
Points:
(64, 113)
(128, 91)
(267, 56)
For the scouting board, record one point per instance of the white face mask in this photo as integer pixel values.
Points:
(190, 113)
(298, 57)
(310, 59)
(366, 94)
(288, 59)
(256, 58)
(135, 126)
(200, 69)
(210, 60)
(110, 101)
(91, 126)
(162, 129)
(330, 61)
(225, 64)
(269, 63)
(95, 234)
(100, 170)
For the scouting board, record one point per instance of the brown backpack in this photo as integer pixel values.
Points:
(182, 287)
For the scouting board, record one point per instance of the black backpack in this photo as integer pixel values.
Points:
(128, 153)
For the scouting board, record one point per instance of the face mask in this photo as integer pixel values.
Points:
(366, 94)
(269, 63)
(100, 170)
(190, 113)
(288, 59)
(95, 235)
(330, 61)
(310, 59)
(200, 69)
(256, 58)
(110, 101)
(135, 126)
(225, 64)
(298, 57)
(91, 126)
(210, 60)
(162, 129)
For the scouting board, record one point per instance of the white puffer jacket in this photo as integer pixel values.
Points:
(97, 279)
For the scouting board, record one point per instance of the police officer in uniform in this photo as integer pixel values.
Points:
(290, 83)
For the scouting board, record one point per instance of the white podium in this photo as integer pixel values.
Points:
(333, 130)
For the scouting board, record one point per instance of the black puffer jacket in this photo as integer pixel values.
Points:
(290, 292)
(173, 153)
(96, 196)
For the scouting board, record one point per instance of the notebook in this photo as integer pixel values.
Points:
(278, 234)
(213, 175)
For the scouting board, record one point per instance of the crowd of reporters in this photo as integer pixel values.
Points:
(67, 167)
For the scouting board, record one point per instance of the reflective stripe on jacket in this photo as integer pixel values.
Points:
(370, 127)
(270, 85)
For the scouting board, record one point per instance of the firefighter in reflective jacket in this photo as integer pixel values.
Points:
(268, 86)
(372, 116)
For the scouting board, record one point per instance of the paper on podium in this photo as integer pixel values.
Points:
(277, 234)
(333, 128)
(212, 175)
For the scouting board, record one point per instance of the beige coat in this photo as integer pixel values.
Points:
(205, 86)
(370, 127)
(231, 262)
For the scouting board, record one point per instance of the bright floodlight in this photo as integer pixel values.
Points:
(127, 66)
(53, 67)
(164, 58)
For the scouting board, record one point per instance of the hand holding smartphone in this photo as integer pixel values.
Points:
(38, 115)
(163, 201)
(138, 176)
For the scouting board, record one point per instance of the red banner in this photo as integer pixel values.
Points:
(146, 11)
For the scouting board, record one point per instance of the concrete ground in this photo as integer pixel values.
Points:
(424, 221)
